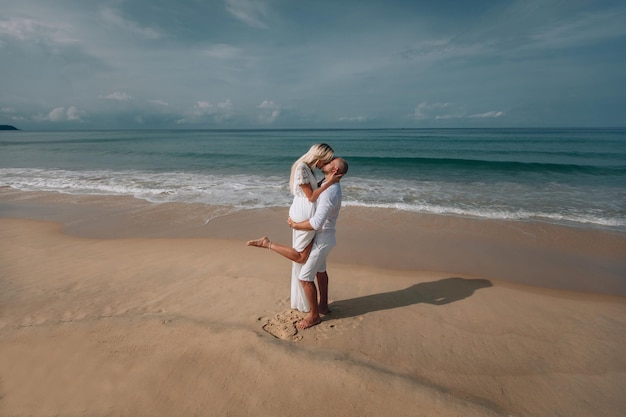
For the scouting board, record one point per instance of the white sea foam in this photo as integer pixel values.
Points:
(552, 203)
(234, 190)
(495, 214)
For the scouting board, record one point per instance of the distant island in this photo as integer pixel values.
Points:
(8, 127)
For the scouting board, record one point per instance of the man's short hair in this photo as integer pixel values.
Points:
(342, 165)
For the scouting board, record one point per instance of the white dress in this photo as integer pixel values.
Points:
(301, 209)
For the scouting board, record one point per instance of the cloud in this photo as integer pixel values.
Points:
(222, 51)
(271, 118)
(56, 114)
(357, 119)
(202, 107)
(72, 113)
(205, 111)
(114, 17)
(270, 111)
(490, 114)
(449, 111)
(380, 65)
(585, 29)
(117, 96)
(225, 105)
(36, 31)
(433, 50)
(267, 104)
(162, 103)
(21, 29)
(61, 114)
(10, 112)
(251, 12)
(426, 110)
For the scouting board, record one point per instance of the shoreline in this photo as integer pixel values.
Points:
(520, 252)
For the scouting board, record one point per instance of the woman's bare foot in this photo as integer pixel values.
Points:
(264, 242)
(308, 322)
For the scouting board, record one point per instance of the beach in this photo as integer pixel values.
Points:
(112, 306)
(150, 150)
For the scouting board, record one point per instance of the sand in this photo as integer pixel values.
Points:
(112, 307)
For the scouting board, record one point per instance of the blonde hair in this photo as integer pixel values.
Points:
(318, 152)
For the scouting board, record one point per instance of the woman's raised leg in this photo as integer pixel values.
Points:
(286, 251)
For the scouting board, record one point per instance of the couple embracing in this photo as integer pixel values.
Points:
(312, 216)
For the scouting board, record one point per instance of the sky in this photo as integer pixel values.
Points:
(273, 64)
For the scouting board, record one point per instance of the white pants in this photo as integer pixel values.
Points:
(323, 243)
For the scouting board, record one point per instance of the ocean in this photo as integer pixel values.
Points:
(575, 177)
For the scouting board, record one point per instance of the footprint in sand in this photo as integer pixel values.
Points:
(283, 326)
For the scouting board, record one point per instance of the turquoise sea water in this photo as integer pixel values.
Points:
(571, 176)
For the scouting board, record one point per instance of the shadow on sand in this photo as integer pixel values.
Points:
(440, 292)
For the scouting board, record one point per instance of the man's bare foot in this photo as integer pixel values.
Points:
(264, 242)
(308, 322)
(324, 310)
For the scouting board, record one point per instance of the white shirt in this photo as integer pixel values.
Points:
(328, 205)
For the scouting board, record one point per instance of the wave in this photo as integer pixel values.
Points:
(464, 164)
(513, 214)
(157, 187)
(589, 205)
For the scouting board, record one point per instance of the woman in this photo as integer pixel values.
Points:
(304, 187)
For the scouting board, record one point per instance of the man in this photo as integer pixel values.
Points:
(323, 222)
